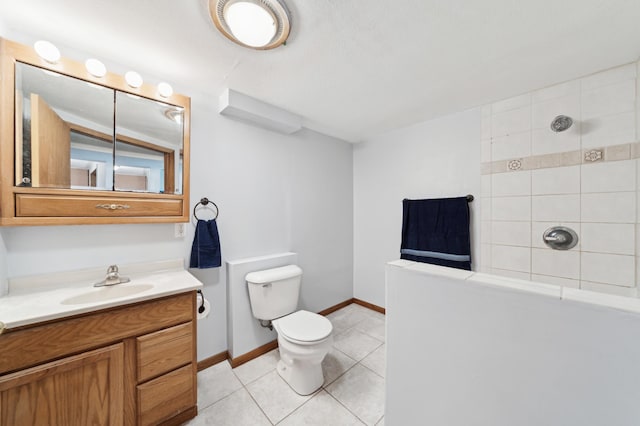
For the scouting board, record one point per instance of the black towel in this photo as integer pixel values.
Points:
(436, 231)
(205, 251)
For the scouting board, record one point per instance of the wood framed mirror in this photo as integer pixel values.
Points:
(76, 148)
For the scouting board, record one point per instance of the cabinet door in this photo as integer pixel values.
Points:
(85, 389)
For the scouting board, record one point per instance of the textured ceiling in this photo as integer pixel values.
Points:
(351, 68)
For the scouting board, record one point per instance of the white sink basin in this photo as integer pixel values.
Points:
(101, 294)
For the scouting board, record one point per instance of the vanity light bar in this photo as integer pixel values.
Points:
(50, 53)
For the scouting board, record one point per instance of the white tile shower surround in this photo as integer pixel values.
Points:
(586, 178)
(253, 394)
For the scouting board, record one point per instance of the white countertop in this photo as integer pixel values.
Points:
(46, 297)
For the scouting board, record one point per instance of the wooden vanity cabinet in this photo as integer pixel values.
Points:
(131, 365)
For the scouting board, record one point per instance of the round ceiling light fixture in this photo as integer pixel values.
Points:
(256, 24)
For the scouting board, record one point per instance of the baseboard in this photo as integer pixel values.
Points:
(213, 360)
(334, 308)
(261, 350)
(370, 306)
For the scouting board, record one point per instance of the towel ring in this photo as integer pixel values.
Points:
(205, 201)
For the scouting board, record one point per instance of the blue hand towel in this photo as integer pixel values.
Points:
(205, 251)
(436, 231)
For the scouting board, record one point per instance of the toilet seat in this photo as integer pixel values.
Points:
(304, 327)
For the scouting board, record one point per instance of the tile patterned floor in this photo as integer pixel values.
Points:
(353, 392)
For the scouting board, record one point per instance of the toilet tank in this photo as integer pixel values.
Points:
(274, 292)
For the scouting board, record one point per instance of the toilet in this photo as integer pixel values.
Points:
(304, 338)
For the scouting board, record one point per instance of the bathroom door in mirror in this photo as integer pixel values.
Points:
(149, 137)
(64, 131)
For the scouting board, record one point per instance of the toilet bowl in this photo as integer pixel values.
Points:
(304, 339)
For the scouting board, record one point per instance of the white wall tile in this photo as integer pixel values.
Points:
(485, 127)
(562, 282)
(608, 269)
(511, 258)
(543, 113)
(557, 263)
(486, 208)
(511, 233)
(555, 208)
(510, 122)
(546, 141)
(609, 130)
(614, 207)
(608, 288)
(538, 229)
(557, 91)
(511, 208)
(612, 99)
(615, 238)
(511, 146)
(611, 176)
(485, 255)
(559, 180)
(485, 185)
(511, 274)
(511, 103)
(511, 183)
(485, 232)
(485, 150)
(610, 76)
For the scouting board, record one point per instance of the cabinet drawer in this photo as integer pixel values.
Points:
(164, 350)
(167, 396)
(30, 205)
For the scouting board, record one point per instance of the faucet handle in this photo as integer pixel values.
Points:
(113, 269)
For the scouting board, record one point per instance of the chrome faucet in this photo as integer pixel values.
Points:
(113, 277)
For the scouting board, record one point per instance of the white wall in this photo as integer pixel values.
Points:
(437, 158)
(463, 353)
(534, 179)
(275, 192)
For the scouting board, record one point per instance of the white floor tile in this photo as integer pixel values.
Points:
(376, 361)
(257, 367)
(321, 410)
(381, 422)
(237, 409)
(355, 343)
(215, 383)
(275, 397)
(362, 392)
(335, 364)
(373, 327)
(346, 318)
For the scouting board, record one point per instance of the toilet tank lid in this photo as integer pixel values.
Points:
(274, 274)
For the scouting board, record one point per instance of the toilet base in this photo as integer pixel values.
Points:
(303, 378)
(301, 365)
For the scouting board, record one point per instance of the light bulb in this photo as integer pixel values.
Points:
(165, 90)
(47, 51)
(95, 68)
(133, 79)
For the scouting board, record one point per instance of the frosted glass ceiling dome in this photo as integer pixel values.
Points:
(256, 24)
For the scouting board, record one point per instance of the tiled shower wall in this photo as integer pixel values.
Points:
(585, 178)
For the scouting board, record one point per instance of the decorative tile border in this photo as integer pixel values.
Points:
(622, 152)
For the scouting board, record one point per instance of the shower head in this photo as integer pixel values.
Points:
(561, 123)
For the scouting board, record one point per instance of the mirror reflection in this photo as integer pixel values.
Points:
(148, 154)
(65, 136)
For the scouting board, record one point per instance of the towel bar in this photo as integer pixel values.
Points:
(205, 201)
